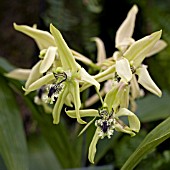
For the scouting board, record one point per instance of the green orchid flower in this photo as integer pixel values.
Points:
(106, 123)
(108, 117)
(131, 54)
(57, 76)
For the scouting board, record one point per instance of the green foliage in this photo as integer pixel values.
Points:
(152, 140)
(152, 108)
(13, 147)
(77, 20)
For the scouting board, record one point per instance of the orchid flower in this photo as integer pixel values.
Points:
(131, 53)
(57, 75)
(107, 121)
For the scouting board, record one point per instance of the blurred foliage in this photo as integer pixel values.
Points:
(78, 21)
(54, 147)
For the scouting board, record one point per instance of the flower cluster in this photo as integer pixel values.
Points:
(59, 79)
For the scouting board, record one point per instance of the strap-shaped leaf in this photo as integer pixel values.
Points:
(13, 147)
(151, 141)
(66, 57)
(43, 38)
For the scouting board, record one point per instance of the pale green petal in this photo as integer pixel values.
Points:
(85, 128)
(48, 59)
(43, 38)
(124, 129)
(34, 75)
(69, 100)
(134, 122)
(101, 52)
(111, 98)
(88, 78)
(137, 52)
(124, 103)
(146, 81)
(159, 46)
(75, 92)
(66, 57)
(59, 104)
(100, 77)
(123, 69)
(126, 29)
(19, 74)
(40, 82)
(83, 113)
(135, 90)
(81, 58)
(92, 148)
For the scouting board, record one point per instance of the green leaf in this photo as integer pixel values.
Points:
(41, 155)
(152, 140)
(12, 139)
(57, 136)
(152, 108)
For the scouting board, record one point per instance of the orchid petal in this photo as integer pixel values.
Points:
(135, 90)
(146, 81)
(92, 148)
(84, 129)
(83, 113)
(19, 74)
(74, 91)
(159, 46)
(43, 38)
(139, 50)
(126, 29)
(123, 69)
(40, 82)
(111, 98)
(100, 77)
(134, 122)
(88, 78)
(59, 105)
(101, 52)
(124, 102)
(34, 75)
(48, 59)
(66, 57)
(82, 58)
